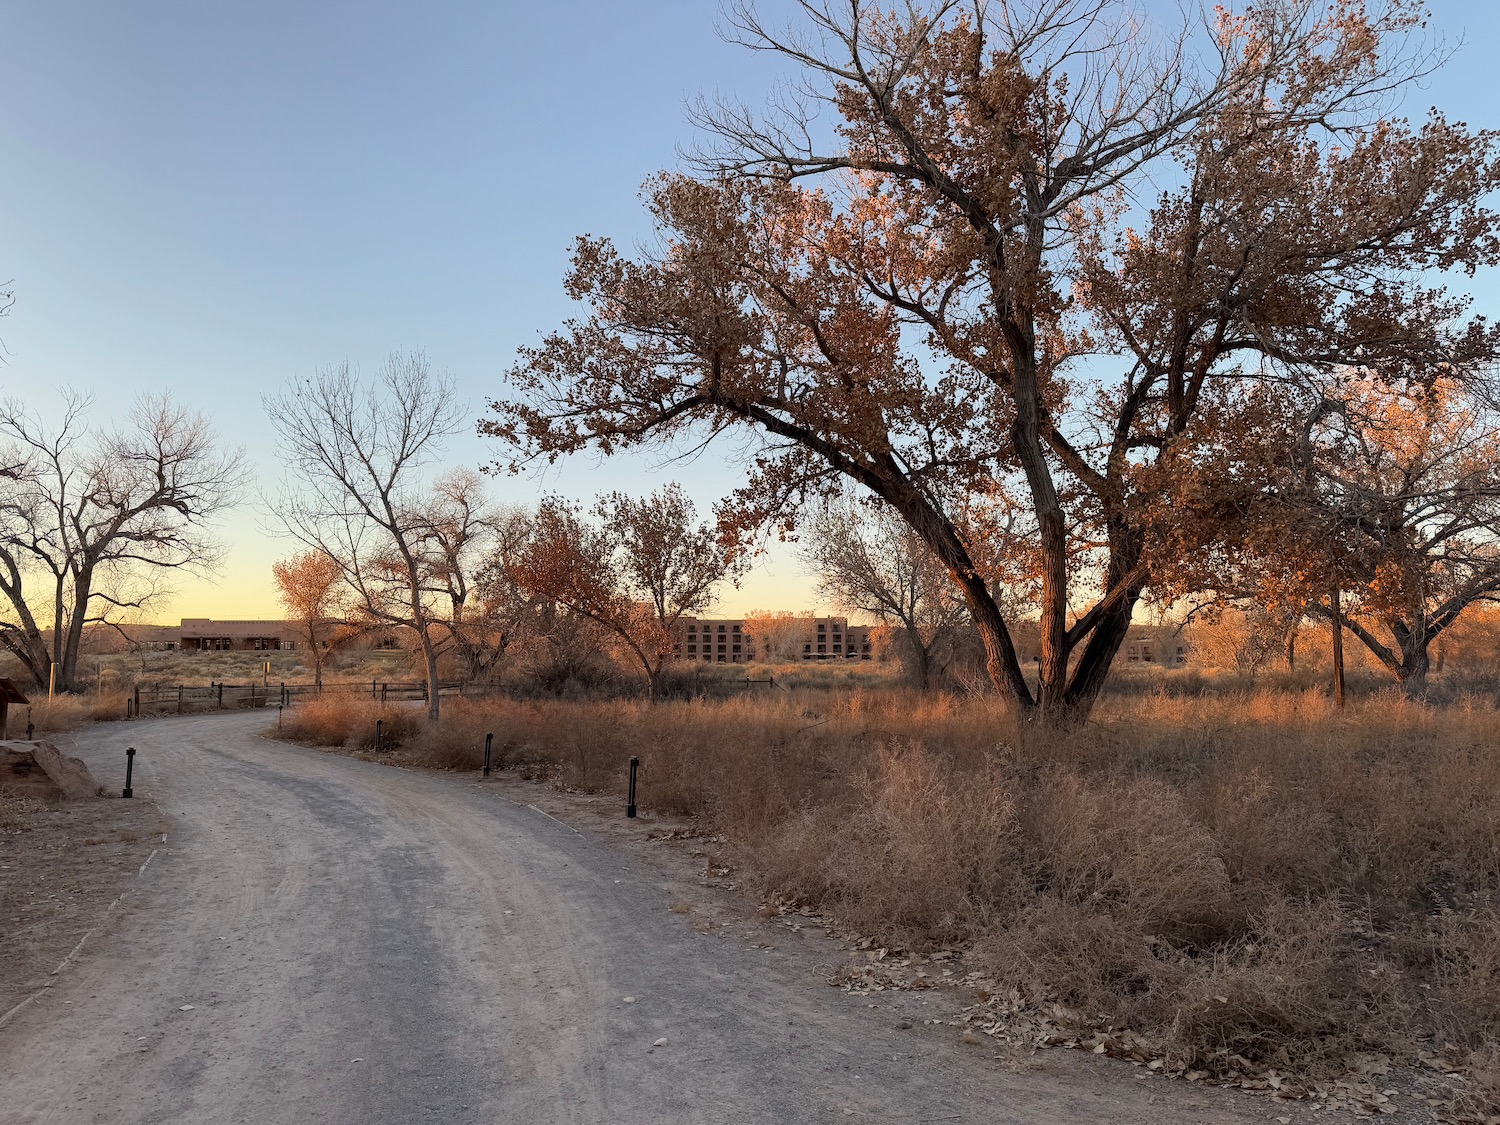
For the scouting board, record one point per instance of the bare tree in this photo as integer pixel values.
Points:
(870, 561)
(357, 452)
(779, 634)
(470, 548)
(90, 521)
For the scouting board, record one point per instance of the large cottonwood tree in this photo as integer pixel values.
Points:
(1010, 190)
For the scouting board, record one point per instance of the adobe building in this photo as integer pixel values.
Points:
(712, 640)
(200, 634)
(729, 641)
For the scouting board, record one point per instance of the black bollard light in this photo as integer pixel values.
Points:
(635, 764)
(489, 741)
(379, 727)
(129, 769)
(278, 716)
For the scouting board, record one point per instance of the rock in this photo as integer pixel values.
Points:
(69, 774)
(40, 769)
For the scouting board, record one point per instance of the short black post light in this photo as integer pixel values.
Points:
(489, 742)
(278, 716)
(129, 769)
(30, 726)
(379, 728)
(635, 765)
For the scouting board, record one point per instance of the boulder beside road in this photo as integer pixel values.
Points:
(40, 769)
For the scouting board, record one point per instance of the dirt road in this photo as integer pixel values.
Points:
(323, 939)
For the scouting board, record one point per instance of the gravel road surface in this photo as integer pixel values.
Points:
(322, 939)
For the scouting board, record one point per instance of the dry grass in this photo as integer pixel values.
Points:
(1243, 875)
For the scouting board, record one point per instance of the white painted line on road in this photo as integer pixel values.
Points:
(77, 949)
(550, 817)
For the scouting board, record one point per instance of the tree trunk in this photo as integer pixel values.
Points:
(1415, 665)
(83, 593)
(922, 658)
(1289, 649)
(317, 655)
(429, 653)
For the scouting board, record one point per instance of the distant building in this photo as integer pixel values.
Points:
(1162, 646)
(200, 634)
(729, 640)
(719, 641)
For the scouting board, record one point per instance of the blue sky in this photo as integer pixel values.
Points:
(213, 197)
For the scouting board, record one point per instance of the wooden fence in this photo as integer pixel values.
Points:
(181, 699)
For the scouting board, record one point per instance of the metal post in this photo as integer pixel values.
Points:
(252, 695)
(489, 741)
(129, 769)
(179, 699)
(278, 716)
(138, 699)
(379, 728)
(129, 707)
(284, 699)
(635, 764)
(383, 689)
(221, 697)
(30, 730)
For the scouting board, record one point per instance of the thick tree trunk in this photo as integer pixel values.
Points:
(83, 593)
(1415, 664)
(921, 664)
(429, 653)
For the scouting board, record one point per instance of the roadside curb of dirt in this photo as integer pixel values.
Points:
(56, 974)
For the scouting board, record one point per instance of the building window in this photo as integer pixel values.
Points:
(736, 629)
(822, 648)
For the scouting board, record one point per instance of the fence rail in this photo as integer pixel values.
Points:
(161, 698)
(167, 699)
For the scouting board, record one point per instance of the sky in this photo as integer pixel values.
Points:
(211, 199)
